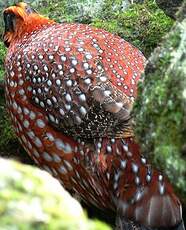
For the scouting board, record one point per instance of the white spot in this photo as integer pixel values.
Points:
(59, 144)
(15, 105)
(40, 123)
(12, 74)
(56, 158)
(161, 188)
(83, 110)
(109, 148)
(58, 82)
(35, 152)
(67, 49)
(116, 176)
(42, 104)
(32, 115)
(49, 102)
(20, 82)
(61, 111)
(72, 70)
(39, 91)
(115, 185)
(148, 178)
(31, 134)
(103, 78)
(50, 136)
(45, 68)
(68, 97)
(87, 81)
(80, 49)
(160, 177)
(143, 160)
(88, 56)
(69, 83)
(138, 195)
(107, 93)
(63, 58)
(135, 168)
(47, 157)
(40, 56)
(69, 166)
(137, 180)
(51, 117)
(67, 148)
(38, 142)
(74, 62)
(54, 99)
(35, 67)
(51, 57)
(60, 67)
(123, 164)
(12, 83)
(125, 148)
(62, 170)
(26, 123)
(49, 83)
(89, 71)
(67, 107)
(82, 97)
(61, 73)
(85, 65)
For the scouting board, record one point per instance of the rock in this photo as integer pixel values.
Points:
(170, 7)
(31, 199)
(160, 110)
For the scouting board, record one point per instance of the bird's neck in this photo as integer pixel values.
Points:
(25, 27)
(34, 22)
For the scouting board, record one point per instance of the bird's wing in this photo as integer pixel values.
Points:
(73, 81)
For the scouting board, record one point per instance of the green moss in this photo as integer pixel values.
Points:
(142, 24)
(2, 57)
(160, 108)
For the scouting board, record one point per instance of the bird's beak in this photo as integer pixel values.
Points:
(9, 22)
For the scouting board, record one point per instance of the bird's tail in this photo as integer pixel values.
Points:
(141, 193)
(121, 224)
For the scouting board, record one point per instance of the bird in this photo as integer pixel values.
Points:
(70, 90)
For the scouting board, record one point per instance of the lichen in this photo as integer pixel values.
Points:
(31, 199)
(160, 110)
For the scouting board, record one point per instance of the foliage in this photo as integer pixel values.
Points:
(31, 199)
(2, 57)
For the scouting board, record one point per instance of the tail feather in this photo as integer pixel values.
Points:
(141, 193)
(122, 224)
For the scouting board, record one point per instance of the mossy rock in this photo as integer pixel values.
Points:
(30, 199)
(160, 110)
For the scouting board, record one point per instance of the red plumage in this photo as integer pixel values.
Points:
(70, 90)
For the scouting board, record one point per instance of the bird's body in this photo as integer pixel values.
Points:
(70, 90)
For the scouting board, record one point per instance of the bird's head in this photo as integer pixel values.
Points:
(19, 19)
